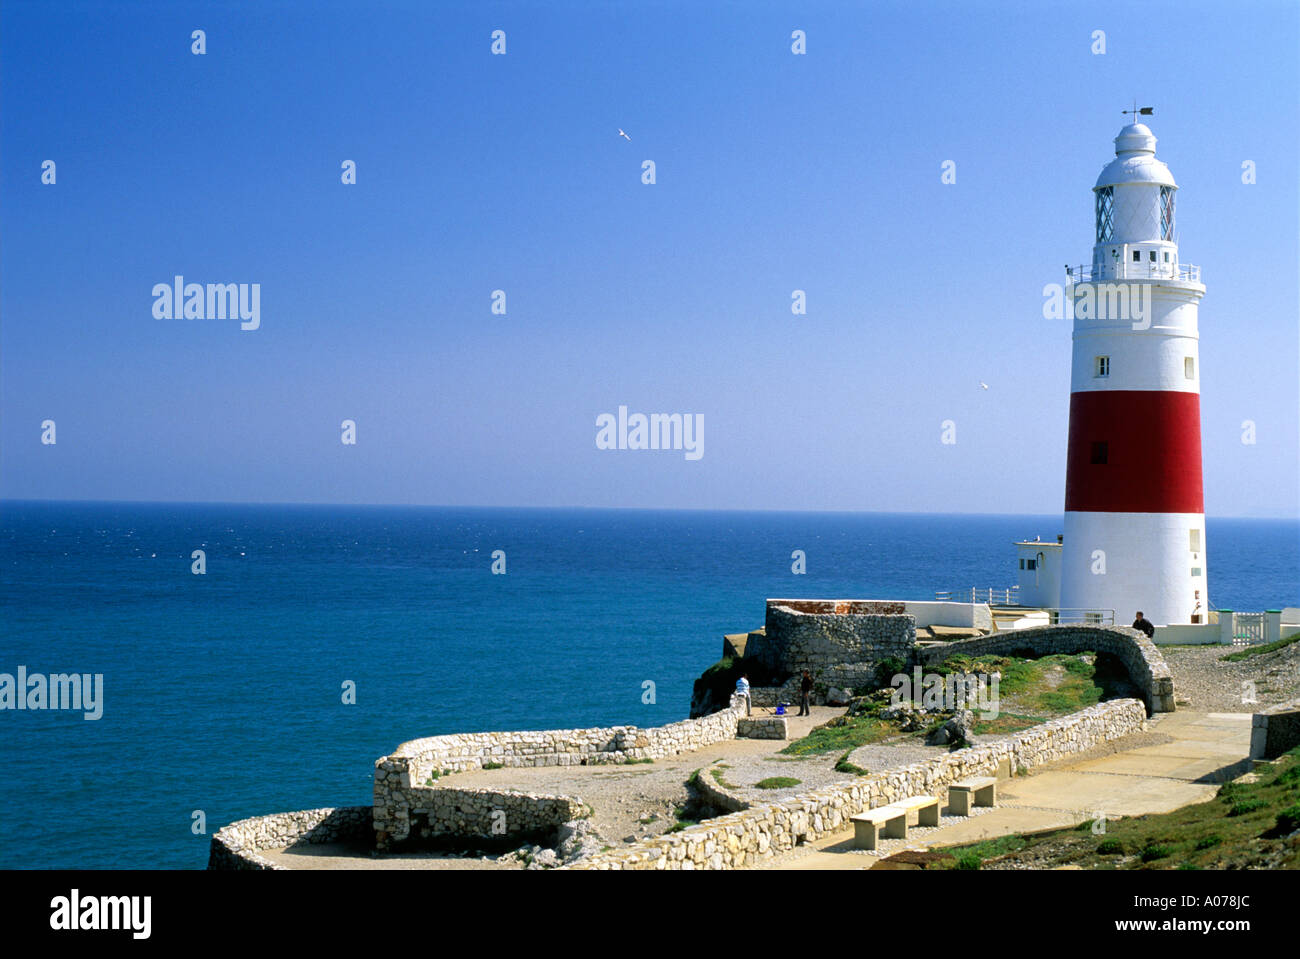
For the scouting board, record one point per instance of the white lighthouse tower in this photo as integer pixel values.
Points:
(1134, 510)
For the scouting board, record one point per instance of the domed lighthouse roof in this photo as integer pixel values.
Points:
(1135, 160)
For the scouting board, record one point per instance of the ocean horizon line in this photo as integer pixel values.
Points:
(5, 501)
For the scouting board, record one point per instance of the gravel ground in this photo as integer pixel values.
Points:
(1203, 682)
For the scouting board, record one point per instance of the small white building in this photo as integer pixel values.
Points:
(1039, 572)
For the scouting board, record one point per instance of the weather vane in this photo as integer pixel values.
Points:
(1145, 111)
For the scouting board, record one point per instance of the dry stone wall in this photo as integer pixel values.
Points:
(1146, 667)
(843, 637)
(238, 845)
(751, 835)
(402, 779)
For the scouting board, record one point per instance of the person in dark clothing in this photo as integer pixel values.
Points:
(1143, 624)
(805, 691)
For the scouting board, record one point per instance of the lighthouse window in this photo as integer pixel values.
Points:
(1189, 367)
(1167, 213)
(1166, 256)
(1022, 562)
(1137, 256)
(1194, 540)
(1152, 258)
(1031, 564)
(1103, 366)
(1105, 206)
(1099, 453)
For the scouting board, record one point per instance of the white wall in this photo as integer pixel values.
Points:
(1186, 634)
(971, 615)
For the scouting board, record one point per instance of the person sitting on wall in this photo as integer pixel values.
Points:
(1143, 624)
(742, 689)
(805, 691)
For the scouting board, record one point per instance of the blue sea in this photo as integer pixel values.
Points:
(223, 693)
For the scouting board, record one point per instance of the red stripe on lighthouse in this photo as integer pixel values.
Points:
(1153, 452)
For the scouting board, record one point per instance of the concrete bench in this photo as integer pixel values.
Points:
(927, 809)
(983, 788)
(883, 822)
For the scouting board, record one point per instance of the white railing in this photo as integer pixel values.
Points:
(999, 596)
(1121, 270)
(1088, 617)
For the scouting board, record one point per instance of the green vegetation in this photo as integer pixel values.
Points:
(716, 773)
(974, 855)
(1051, 685)
(636, 762)
(778, 782)
(840, 734)
(842, 765)
(1248, 825)
(1250, 651)
(493, 766)
(437, 774)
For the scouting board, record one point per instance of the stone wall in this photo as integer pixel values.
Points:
(487, 817)
(237, 845)
(402, 778)
(752, 835)
(1275, 730)
(846, 637)
(761, 727)
(1146, 667)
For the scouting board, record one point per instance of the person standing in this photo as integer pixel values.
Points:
(805, 692)
(1144, 624)
(742, 689)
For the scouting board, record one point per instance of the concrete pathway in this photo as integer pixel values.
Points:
(1207, 749)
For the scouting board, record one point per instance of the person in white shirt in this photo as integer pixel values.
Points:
(742, 689)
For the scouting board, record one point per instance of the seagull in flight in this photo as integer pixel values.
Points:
(983, 385)
(624, 135)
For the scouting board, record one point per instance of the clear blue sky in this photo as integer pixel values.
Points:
(477, 172)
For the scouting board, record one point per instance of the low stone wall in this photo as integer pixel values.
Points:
(402, 778)
(487, 817)
(751, 835)
(1275, 730)
(1146, 667)
(819, 635)
(237, 846)
(762, 727)
(717, 795)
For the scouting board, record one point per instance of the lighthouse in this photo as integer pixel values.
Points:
(1134, 512)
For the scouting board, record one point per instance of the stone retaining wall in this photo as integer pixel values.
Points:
(1275, 730)
(821, 635)
(402, 778)
(1146, 667)
(487, 817)
(752, 835)
(762, 727)
(237, 845)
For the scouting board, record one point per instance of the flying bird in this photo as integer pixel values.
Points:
(983, 385)
(624, 135)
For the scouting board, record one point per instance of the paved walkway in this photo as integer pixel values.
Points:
(1206, 749)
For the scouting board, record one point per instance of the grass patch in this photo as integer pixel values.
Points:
(778, 782)
(842, 765)
(1250, 651)
(1004, 725)
(494, 766)
(973, 856)
(1110, 847)
(636, 762)
(716, 773)
(840, 734)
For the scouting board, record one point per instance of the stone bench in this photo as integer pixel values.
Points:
(983, 788)
(883, 822)
(927, 809)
